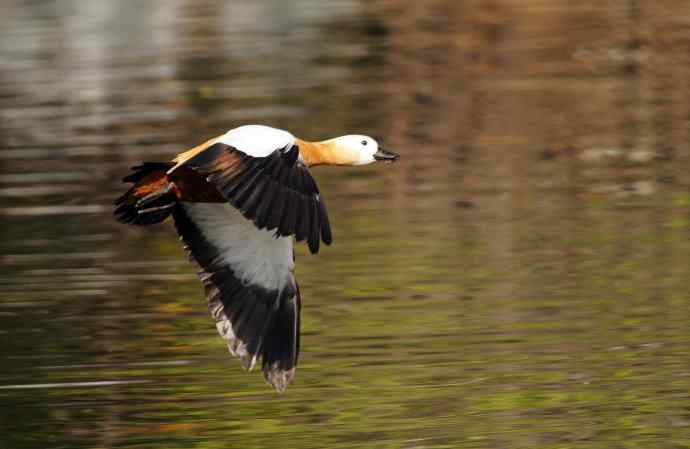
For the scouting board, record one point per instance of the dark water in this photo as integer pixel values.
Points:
(521, 279)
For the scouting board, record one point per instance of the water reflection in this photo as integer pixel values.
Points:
(520, 279)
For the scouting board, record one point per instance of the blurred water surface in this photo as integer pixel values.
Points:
(521, 279)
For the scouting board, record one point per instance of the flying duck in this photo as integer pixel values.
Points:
(237, 201)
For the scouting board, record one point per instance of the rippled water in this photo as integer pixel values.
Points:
(521, 279)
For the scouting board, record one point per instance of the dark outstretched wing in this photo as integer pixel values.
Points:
(254, 301)
(275, 192)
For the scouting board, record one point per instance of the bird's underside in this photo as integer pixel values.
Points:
(237, 215)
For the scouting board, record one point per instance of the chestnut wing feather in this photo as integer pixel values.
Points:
(275, 192)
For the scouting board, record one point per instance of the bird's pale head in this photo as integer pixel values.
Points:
(356, 150)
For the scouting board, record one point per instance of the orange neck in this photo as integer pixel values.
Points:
(322, 153)
(316, 153)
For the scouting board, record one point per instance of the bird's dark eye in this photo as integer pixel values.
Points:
(364, 142)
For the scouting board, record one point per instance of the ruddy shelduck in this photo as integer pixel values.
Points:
(237, 201)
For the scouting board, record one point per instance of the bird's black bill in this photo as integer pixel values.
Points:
(386, 156)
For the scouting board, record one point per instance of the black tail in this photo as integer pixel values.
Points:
(151, 199)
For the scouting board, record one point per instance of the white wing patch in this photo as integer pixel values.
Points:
(257, 140)
(255, 256)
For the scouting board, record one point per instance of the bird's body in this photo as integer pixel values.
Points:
(237, 201)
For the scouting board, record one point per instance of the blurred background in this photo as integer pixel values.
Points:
(520, 279)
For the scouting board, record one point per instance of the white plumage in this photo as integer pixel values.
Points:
(257, 140)
(256, 256)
